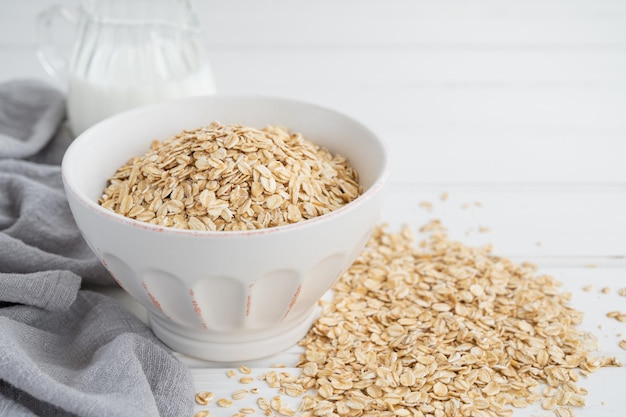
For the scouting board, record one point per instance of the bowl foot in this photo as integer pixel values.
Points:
(223, 351)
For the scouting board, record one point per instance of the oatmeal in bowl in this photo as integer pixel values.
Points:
(231, 177)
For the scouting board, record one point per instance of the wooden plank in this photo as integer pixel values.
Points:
(388, 69)
(500, 154)
(466, 132)
(415, 22)
(484, 22)
(413, 67)
(468, 107)
(555, 226)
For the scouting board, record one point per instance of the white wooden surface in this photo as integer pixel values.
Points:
(516, 109)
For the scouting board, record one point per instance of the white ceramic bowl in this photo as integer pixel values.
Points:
(224, 296)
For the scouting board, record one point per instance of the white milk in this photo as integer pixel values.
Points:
(89, 102)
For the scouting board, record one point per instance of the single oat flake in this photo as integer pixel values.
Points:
(204, 397)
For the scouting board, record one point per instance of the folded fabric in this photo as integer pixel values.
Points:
(94, 359)
(64, 351)
(37, 231)
(30, 114)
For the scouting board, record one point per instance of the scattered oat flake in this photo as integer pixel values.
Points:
(548, 403)
(587, 288)
(622, 344)
(434, 225)
(617, 315)
(203, 413)
(426, 205)
(443, 196)
(231, 374)
(240, 394)
(224, 402)
(605, 290)
(563, 412)
(483, 229)
(276, 402)
(204, 397)
(286, 411)
(245, 370)
(413, 328)
(622, 292)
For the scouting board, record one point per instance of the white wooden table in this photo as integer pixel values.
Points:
(516, 109)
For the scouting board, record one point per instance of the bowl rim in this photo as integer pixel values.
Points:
(71, 186)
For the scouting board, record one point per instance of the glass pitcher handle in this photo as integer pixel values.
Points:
(53, 62)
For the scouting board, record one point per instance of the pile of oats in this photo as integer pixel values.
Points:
(441, 330)
(437, 329)
(231, 177)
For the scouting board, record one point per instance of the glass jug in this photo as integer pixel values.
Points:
(125, 53)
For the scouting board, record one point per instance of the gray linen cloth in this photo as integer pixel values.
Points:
(64, 351)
